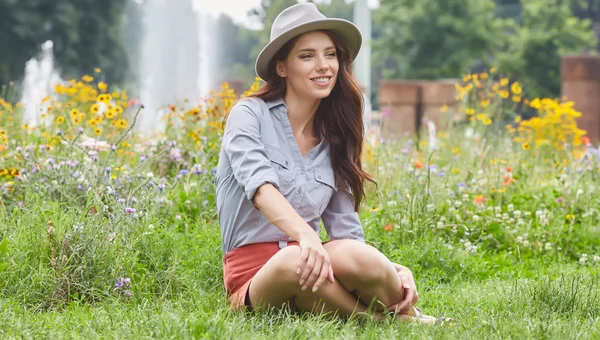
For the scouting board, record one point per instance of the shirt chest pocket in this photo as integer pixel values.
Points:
(282, 166)
(322, 188)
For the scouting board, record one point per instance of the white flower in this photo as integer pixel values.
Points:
(526, 243)
(505, 216)
(511, 207)
(519, 239)
(517, 213)
(440, 225)
(548, 246)
(465, 197)
(476, 218)
(596, 258)
(149, 175)
(430, 207)
(457, 204)
(497, 209)
(579, 192)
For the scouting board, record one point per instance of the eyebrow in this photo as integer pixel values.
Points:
(313, 50)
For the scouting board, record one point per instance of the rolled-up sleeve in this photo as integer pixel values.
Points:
(246, 152)
(340, 220)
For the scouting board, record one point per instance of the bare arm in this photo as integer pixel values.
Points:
(280, 212)
(314, 265)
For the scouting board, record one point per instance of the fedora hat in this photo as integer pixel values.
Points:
(299, 19)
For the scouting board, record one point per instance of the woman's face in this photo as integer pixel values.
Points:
(311, 68)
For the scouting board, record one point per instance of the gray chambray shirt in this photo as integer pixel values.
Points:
(259, 147)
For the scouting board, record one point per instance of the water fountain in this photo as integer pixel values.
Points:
(175, 63)
(40, 78)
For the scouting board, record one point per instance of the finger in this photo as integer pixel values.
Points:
(310, 264)
(416, 298)
(330, 275)
(408, 294)
(305, 252)
(314, 273)
(322, 275)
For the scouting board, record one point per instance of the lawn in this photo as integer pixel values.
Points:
(107, 234)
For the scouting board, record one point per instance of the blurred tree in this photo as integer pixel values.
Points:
(233, 43)
(533, 51)
(427, 39)
(265, 15)
(86, 34)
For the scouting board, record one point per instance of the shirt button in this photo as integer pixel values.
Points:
(302, 171)
(299, 190)
(286, 163)
(319, 177)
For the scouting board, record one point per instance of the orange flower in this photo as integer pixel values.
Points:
(388, 227)
(585, 140)
(508, 169)
(508, 180)
(480, 199)
(418, 165)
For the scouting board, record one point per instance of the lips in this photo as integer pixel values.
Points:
(321, 80)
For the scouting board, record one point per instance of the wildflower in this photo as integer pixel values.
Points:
(388, 227)
(183, 172)
(178, 217)
(102, 86)
(121, 123)
(480, 199)
(418, 165)
(130, 211)
(583, 258)
(570, 216)
(585, 140)
(525, 146)
(374, 209)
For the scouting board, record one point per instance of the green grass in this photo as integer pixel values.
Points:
(177, 291)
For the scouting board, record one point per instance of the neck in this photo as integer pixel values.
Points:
(301, 113)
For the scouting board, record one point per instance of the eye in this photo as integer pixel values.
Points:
(331, 54)
(305, 56)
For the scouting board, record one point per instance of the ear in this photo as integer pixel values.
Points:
(280, 68)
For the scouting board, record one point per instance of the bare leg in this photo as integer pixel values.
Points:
(276, 283)
(362, 268)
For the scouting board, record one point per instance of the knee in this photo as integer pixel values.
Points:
(285, 262)
(362, 263)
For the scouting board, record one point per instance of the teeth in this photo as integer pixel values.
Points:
(321, 80)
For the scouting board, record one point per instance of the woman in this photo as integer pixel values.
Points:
(290, 158)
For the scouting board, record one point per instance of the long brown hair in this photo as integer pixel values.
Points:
(338, 118)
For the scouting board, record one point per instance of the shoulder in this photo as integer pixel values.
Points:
(253, 105)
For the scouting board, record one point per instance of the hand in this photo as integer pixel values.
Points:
(411, 296)
(314, 266)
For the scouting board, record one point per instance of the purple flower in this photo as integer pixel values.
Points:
(124, 282)
(133, 200)
(130, 211)
(161, 186)
(559, 200)
(19, 149)
(107, 170)
(183, 172)
(462, 184)
(59, 132)
(79, 187)
(214, 170)
(121, 201)
(80, 130)
(21, 204)
(441, 174)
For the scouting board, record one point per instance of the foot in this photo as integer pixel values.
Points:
(415, 315)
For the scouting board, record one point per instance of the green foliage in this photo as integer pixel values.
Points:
(86, 34)
(428, 39)
(534, 49)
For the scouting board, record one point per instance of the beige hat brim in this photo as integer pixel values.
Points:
(346, 30)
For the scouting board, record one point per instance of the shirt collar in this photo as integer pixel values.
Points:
(275, 102)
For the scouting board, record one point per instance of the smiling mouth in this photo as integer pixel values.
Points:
(321, 80)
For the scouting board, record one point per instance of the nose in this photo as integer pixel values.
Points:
(322, 64)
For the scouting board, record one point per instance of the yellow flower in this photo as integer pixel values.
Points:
(466, 78)
(455, 151)
(493, 70)
(516, 88)
(484, 103)
(483, 76)
(60, 120)
(504, 94)
(486, 121)
(110, 114)
(74, 113)
(97, 131)
(456, 171)
(517, 119)
(97, 70)
(121, 123)
(87, 78)
(95, 108)
(102, 86)
(118, 110)
(503, 81)
(470, 112)
(444, 108)
(92, 122)
(525, 146)
(516, 99)
(570, 216)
